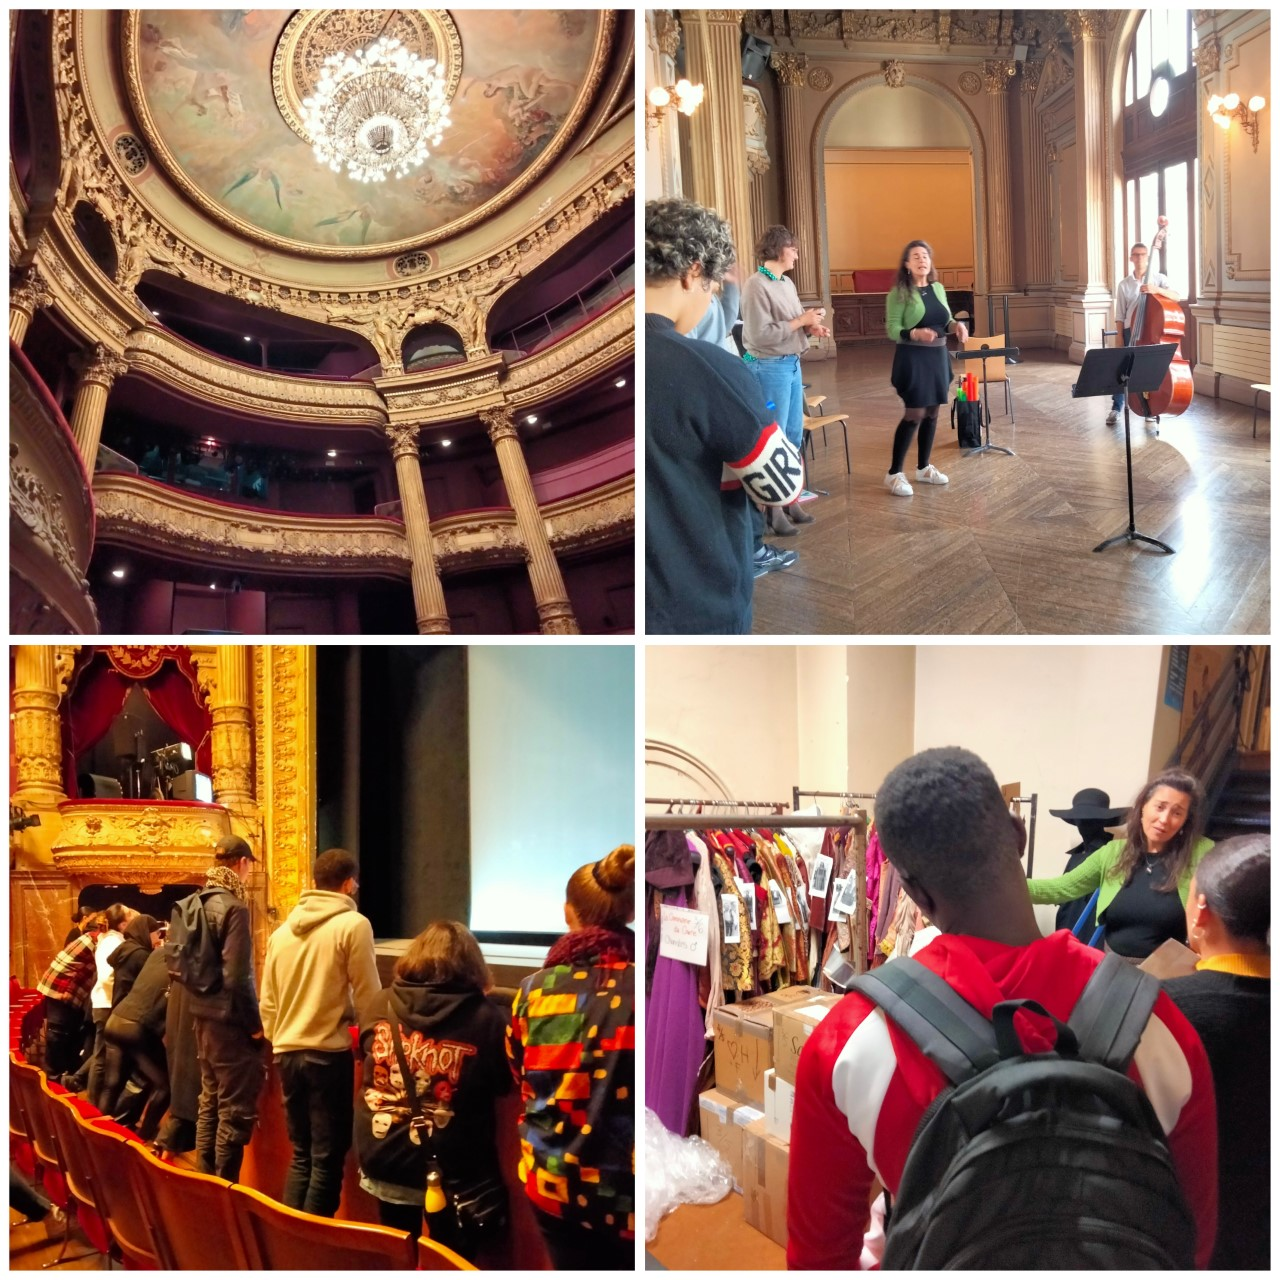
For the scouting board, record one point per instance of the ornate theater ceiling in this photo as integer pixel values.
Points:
(217, 95)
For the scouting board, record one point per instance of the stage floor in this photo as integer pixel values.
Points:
(1007, 547)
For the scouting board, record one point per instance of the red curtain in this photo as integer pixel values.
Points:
(96, 701)
(174, 698)
(99, 695)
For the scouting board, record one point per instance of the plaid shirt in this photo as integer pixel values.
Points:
(71, 976)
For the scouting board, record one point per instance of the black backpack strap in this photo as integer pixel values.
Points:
(949, 1031)
(1112, 1012)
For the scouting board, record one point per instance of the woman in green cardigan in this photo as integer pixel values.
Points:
(918, 319)
(1143, 879)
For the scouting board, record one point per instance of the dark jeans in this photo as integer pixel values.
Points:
(231, 1074)
(319, 1104)
(25, 1198)
(130, 1047)
(63, 1037)
(573, 1248)
(96, 1062)
(1117, 400)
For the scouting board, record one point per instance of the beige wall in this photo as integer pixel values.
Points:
(868, 191)
(822, 682)
(881, 701)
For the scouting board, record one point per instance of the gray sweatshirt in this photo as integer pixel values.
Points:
(767, 308)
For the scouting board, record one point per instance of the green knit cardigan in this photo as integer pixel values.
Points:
(1101, 871)
(905, 313)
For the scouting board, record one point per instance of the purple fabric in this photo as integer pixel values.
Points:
(875, 865)
(675, 1041)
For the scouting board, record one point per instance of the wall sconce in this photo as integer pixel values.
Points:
(1224, 110)
(685, 97)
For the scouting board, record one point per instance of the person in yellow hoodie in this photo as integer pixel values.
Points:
(320, 975)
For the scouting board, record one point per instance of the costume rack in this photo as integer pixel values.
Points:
(741, 819)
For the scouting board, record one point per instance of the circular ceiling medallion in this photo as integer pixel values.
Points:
(312, 35)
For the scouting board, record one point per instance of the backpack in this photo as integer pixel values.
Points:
(191, 952)
(1033, 1161)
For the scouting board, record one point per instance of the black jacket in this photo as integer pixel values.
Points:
(237, 1002)
(454, 1042)
(147, 999)
(127, 960)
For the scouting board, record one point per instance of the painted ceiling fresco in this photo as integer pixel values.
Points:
(205, 82)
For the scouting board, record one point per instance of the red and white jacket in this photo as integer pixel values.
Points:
(862, 1087)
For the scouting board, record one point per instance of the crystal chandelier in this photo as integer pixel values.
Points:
(376, 110)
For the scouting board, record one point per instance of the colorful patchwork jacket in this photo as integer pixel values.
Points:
(572, 1048)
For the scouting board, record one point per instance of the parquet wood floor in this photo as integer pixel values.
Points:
(1007, 546)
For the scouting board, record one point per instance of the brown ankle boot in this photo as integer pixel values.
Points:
(797, 514)
(778, 522)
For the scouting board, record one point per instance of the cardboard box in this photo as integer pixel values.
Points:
(779, 1102)
(1170, 960)
(792, 1028)
(764, 1182)
(744, 1041)
(717, 1113)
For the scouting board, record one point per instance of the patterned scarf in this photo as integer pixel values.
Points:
(592, 945)
(218, 877)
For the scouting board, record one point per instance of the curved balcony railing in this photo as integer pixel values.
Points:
(615, 283)
(599, 345)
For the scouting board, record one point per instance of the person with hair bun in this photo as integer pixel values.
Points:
(572, 1048)
(710, 441)
(1228, 1001)
(1143, 878)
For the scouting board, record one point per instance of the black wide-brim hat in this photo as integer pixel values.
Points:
(1091, 805)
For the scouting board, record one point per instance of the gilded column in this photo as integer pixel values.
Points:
(428, 594)
(25, 299)
(797, 173)
(37, 729)
(231, 713)
(1088, 32)
(717, 136)
(99, 368)
(1035, 167)
(996, 74)
(555, 613)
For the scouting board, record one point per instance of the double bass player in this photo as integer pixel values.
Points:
(1126, 303)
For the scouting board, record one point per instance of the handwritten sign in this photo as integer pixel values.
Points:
(683, 935)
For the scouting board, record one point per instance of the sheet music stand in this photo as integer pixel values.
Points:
(1108, 370)
(984, 354)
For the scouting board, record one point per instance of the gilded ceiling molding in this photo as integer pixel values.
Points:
(666, 33)
(288, 397)
(445, 395)
(587, 93)
(602, 344)
(996, 74)
(790, 68)
(465, 542)
(605, 515)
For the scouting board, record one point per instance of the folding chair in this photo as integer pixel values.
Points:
(1258, 388)
(277, 1238)
(813, 421)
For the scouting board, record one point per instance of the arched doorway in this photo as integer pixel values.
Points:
(885, 158)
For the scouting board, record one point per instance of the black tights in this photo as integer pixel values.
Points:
(927, 421)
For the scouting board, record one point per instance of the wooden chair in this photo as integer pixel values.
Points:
(996, 371)
(436, 1257)
(277, 1238)
(814, 421)
(197, 1230)
(1258, 388)
(130, 1227)
(65, 1114)
(20, 1148)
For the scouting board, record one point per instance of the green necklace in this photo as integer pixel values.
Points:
(764, 271)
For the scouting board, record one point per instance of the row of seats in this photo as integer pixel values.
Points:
(138, 1209)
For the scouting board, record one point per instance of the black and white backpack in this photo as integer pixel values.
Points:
(1033, 1161)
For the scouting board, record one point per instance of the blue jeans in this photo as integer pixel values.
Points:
(1117, 400)
(779, 379)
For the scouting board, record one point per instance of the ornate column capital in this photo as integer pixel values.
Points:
(1030, 80)
(1052, 152)
(1087, 24)
(99, 364)
(790, 68)
(501, 423)
(404, 439)
(996, 74)
(666, 32)
(733, 16)
(1208, 55)
(31, 291)
(895, 73)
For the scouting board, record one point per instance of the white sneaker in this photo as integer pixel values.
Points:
(1112, 418)
(897, 484)
(930, 475)
(1152, 422)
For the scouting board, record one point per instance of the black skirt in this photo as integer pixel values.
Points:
(921, 374)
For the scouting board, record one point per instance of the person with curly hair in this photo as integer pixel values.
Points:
(711, 445)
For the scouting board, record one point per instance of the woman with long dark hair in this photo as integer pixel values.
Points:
(572, 1044)
(918, 319)
(1144, 878)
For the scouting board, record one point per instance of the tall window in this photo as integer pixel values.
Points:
(1159, 156)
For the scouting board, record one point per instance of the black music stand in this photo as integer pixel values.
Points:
(984, 354)
(1107, 370)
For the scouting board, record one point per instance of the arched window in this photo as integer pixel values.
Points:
(1159, 158)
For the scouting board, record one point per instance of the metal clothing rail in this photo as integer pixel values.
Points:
(778, 805)
(796, 793)
(1033, 800)
(713, 822)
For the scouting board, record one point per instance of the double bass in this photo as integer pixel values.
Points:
(1158, 320)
